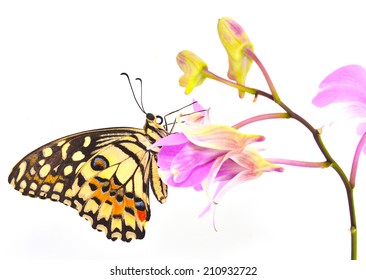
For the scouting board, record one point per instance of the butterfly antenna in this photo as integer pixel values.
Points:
(133, 93)
(142, 104)
(175, 111)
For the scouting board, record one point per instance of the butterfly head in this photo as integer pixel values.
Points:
(154, 123)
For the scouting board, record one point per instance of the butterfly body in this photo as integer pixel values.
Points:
(104, 174)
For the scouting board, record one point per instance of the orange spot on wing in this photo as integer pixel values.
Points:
(96, 183)
(129, 202)
(117, 207)
(52, 179)
(113, 185)
(101, 196)
(141, 215)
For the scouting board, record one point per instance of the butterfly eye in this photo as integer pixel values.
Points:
(150, 116)
(159, 119)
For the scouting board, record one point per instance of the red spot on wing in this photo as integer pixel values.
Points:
(141, 215)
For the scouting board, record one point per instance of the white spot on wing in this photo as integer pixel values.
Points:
(64, 150)
(22, 168)
(61, 143)
(87, 141)
(23, 184)
(43, 172)
(47, 152)
(77, 156)
(67, 170)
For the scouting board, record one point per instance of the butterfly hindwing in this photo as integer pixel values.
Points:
(104, 174)
(110, 190)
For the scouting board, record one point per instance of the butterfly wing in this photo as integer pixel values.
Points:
(104, 174)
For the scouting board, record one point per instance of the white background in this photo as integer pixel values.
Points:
(60, 65)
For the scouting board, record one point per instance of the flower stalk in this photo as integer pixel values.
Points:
(299, 163)
(240, 87)
(271, 86)
(261, 118)
(329, 161)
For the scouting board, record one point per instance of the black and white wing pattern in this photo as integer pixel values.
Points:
(105, 174)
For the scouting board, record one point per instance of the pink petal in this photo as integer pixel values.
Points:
(221, 190)
(228, 170)
(167, 154)
(238, 179)
(361, 128)
(208, 182)
(236, 168)
(189, 158)
(197, 107)
(251, 160)
(206, 210)
(194, 180)
(219, 137)
(356, 110)
(184, 165)
(171, 140)
(346, 84)
(200, 116)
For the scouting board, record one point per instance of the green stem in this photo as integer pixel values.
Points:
(338, 169)
(353, 225)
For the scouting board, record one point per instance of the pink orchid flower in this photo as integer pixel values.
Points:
(345, 85)
(208, 156)
(187, 158)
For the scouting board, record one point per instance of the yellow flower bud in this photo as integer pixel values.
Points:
(193, 67)
(235, 41)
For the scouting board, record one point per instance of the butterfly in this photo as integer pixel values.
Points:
(104, 174)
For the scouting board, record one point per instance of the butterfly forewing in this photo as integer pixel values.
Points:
(104, 174)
